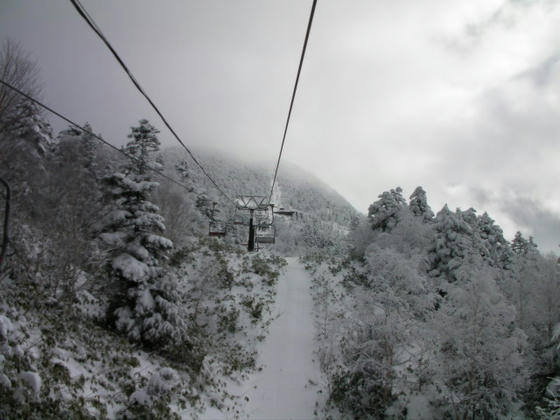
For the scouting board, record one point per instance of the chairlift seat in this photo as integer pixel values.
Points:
(217, 228)
(283, 212)
(265, 239)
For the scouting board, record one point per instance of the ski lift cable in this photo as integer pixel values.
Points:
(89, 20)
(101, 139)
(312, 13)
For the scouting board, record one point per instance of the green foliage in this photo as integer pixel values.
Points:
(181, 255)
(253, 308)
(227, 320)
(359, 394)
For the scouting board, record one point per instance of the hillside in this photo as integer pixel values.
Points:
(323, 215)
(115, 303)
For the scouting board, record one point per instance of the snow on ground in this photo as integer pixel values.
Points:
(287, 386)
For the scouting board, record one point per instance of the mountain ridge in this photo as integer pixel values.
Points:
(238, 176)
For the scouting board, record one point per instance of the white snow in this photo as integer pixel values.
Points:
(117, 238)
(145, 302)
(140, 397)
(32, 380)
(5, 381)
(159, 240)
(286, 387)
(66, 359)
(131, 268)
(138, 186)
(5, 327)
(138, 251)
(162, 381)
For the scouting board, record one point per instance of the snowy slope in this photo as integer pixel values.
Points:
(297, 189)
(323, 215)
(288, 386)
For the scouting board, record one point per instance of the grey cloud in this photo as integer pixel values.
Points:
(512, 133)
(530, 216)
(480, 196)
(543, 224)
(505, 16)
(542, 74)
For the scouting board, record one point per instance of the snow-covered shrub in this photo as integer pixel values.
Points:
(424, 320)
(152, 400)
(29, 386)
(480, 360)
(411, 237)
(549, 406)
(52, 247)
(225, 301)
(371, 328)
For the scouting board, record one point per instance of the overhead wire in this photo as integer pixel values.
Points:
(101, 139)
(309, 23)
(89, 20)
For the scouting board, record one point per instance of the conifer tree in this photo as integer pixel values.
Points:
(523, 247)
(80, 147)
(27, 123)
(25, 142)
(496, 248)
(453, 242)
(419, 206)
(142, 305)
(384, 213)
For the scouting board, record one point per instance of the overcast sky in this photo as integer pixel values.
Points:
(459, 96)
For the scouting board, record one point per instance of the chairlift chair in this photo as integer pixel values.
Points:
(217, 228)
(241, 219)
(283, 212)
(266, 235)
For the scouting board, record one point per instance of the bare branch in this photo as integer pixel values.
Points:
(18, 69)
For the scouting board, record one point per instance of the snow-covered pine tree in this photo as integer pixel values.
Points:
(26, 122)
(90, 147)
(523, 247)
(384, 213)
(453, 242)
(419, 206)
(203, 205)
(184, 172)
(80, 147)
(25, 140)
(493, 242)
(462, 233)
(142, 304)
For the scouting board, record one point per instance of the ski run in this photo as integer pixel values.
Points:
(288, 384)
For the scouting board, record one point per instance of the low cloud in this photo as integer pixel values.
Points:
(537, 220)
(521, 212)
